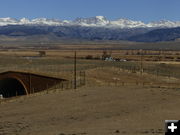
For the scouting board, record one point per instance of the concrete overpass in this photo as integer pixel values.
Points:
(14, 83)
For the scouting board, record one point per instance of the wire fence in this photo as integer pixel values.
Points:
(157, 70)
(144, 84)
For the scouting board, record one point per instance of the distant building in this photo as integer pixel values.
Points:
(109, 59)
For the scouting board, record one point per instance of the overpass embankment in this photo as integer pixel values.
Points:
(13, 83)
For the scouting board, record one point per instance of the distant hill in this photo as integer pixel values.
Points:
(55, 33)
(72, 32)
(168, 34)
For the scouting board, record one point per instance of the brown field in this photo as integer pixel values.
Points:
(92, 111)
(133, 97)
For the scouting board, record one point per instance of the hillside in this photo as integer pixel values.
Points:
(64, 33)
(71, 32)
(91, 111)
(168, 34)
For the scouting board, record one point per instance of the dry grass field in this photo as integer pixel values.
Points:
(92, 111)
(130, 97)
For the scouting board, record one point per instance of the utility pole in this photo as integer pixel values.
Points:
(30, 83)
(141, 62)
(75, 70)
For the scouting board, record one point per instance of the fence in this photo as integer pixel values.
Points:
(141, 84)
(151, 84)
(158, 70)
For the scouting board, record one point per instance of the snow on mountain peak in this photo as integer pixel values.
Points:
(24, 21)
(126, 23)
(8, 20)
(100, 17)
(163, 23)
(97, 21)
(92, 21)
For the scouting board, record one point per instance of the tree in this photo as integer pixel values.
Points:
(42, 53)
(106, 55)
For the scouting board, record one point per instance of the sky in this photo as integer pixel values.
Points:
(142, 10)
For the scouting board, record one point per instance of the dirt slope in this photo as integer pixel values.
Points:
(92, 111)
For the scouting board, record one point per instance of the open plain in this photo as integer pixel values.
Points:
(131, 97)
(92, 111)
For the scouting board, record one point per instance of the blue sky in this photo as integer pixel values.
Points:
(144, 10)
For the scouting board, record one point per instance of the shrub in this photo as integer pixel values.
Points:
(89, 57)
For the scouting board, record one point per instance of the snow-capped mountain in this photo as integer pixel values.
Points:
(8, 21)
(98, 21)
(125, 23)
(164, 23)
(93, 28)
(93, 21)
(25, 21)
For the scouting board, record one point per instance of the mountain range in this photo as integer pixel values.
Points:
(93, 28)
(98, 21)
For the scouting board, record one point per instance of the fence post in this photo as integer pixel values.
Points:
(169, 76)
(84, 78)
(67, 85)
(47, 88)
(157, 72)
(75, 70)
(80, 74)
(70, 84)
(136, 82)
(33, 90)
(122, 83)
(62, 85)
